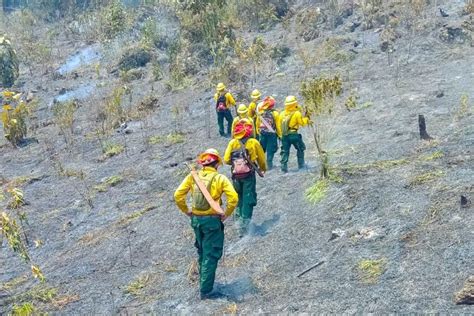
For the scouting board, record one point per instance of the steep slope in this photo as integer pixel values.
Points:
(396, 208)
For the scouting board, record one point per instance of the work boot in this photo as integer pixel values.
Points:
(284, 169)
(302, 167)
(269, 165)
(213, 295)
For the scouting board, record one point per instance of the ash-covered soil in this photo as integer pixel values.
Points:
(382, 209)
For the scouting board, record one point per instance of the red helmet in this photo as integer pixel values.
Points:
(269, 102)
(209, 157)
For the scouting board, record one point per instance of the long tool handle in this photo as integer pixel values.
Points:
(214, 205)
(264, 121)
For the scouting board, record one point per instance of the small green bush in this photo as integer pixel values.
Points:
(318, 191)
(113, 19)
(111, 149)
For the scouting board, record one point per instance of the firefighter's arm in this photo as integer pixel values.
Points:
(229, 100)
(257, 125)
(300, 120)
(262, 163)
(228, 152)
(181, 192)
(231, 196)
(276, 116)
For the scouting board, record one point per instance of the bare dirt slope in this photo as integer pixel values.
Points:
(391, 235)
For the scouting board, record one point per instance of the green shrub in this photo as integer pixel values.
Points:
(64, 116)
(14, 116)
(111, 149)
(113, 19)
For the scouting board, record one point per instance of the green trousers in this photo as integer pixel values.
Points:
(209, 233)
(227, 115)
(296, 140)
(269, 143)
(247, 191)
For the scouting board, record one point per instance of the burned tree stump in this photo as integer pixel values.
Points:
(466, 295)
(422, 125)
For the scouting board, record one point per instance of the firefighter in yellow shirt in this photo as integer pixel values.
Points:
(268, 128)
(255, 96)
(207, 223)
(291, 120)
(224, 102)
(242, 112)
(240, 150)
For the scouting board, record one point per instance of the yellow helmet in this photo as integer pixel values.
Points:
(242, 109)
(210, 156)
(220, 87)
(290, 100)
(255, 94)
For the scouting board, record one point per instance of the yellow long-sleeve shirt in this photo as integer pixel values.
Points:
(229, 99)
(256, 153)
(253, 109)
(220, 185)
(276, 117)
(297, 120)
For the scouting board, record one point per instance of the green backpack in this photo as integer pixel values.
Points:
(199, 201)
(285, 124)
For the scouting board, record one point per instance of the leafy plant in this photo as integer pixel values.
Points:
(113, 19)
(17, 198)
(26, 309)
(320, 101)
(64, 117)
(9, 63)
(11, 231)
(114, 110)
(253, 54)
(112, 149)
(14, 116)
(149, 33)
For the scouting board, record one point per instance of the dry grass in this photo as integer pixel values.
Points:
(193, 272)
(230, 309)
(111, 149)
(14, 283)
(377, 165)
(136, 287)
(110, 231)
(370, 270)
(64, 300)
(111, 181)
(235, 262)
(127, 220)
(426, 177)
(433, 156)
(318, 191)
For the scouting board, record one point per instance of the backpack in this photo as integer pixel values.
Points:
(240, 166)
(221, 104)
(285, 124)
(270, 119)
(199, 201)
